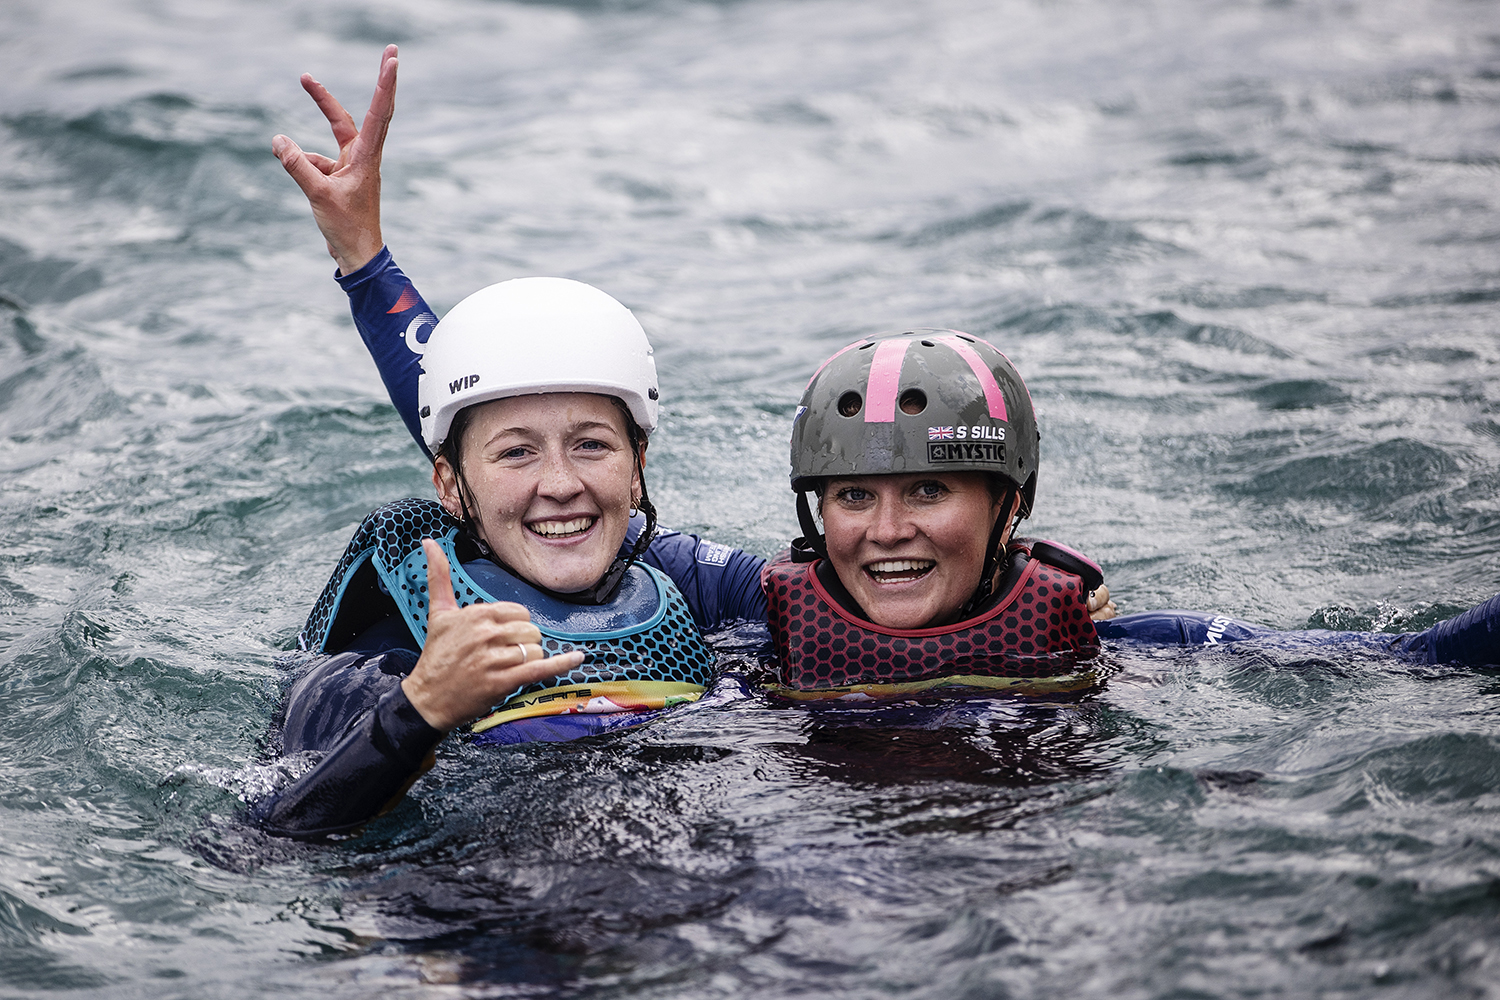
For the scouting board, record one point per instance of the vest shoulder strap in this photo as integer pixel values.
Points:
(381, 543)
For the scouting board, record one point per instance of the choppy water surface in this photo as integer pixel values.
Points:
(1247, 254)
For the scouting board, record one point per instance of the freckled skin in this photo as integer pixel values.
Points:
(939, 519)
(546, 459)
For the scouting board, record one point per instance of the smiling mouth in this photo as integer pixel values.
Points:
(900, 570)
(570, 528)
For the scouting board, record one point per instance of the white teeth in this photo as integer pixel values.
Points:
(902, 566)
(556, 529)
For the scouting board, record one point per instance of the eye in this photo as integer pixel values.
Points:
(930, 489)
(514, 453)
(852, 495)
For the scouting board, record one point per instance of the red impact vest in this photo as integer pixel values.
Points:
(1041, 628)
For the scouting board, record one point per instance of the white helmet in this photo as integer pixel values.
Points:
(531, 335)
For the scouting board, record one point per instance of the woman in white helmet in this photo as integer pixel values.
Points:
(535, 597)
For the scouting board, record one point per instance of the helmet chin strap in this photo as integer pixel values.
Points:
(993, 553)
(811, 545)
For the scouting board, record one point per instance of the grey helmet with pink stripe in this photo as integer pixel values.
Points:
(920, 401)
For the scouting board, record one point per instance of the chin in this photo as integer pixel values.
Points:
(899, 615)
(570, 582)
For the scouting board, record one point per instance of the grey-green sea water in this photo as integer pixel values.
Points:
(1246, 253)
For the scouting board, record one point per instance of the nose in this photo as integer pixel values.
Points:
(559, 480)
(892, 523)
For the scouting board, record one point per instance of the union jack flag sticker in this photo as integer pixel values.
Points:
(940, 433)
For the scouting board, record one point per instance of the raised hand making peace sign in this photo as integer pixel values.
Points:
(345, 193)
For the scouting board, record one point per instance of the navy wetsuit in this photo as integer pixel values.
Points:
(350, 706)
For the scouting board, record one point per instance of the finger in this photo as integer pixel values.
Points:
(1098, 598)
(308, 177)
(498, 635)
(541, 670)
(528, 652)
(439, 581)
(341, 121)
(382, 108)
(504, 611)
(324, 164)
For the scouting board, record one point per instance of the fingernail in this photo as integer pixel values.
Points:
(278, 143)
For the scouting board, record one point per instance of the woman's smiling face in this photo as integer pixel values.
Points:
(909, 548)
(550, 480)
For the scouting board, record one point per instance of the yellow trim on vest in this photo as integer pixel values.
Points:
(941, 685)
(594, 699)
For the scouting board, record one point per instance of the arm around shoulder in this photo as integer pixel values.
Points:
(721, 583)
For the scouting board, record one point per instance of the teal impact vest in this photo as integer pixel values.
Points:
(645, 633)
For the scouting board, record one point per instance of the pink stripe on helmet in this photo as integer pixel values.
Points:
(885, 381)
(993, 397)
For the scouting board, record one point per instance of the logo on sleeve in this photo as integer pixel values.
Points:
(1216, 630)
(418, 331)
(406, 301)
(714, 554)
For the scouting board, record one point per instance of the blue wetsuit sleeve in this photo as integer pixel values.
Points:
(349, 706)
(391, 316)
(1472, 638)
(721, 584)
(1178, 628)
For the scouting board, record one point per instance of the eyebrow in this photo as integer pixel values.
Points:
(582, 425)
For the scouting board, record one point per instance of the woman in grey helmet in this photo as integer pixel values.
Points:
(921, 450)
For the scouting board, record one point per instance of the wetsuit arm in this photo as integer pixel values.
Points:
(1179, 628)
(391, 316)
(1472, 638)
(350, 706)
(721, 584)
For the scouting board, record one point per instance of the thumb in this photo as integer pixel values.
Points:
(439, 582)
(296, 163)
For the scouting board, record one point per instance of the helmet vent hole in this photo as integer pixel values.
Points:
(913, 401)
(849, 404)
(928, 343)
